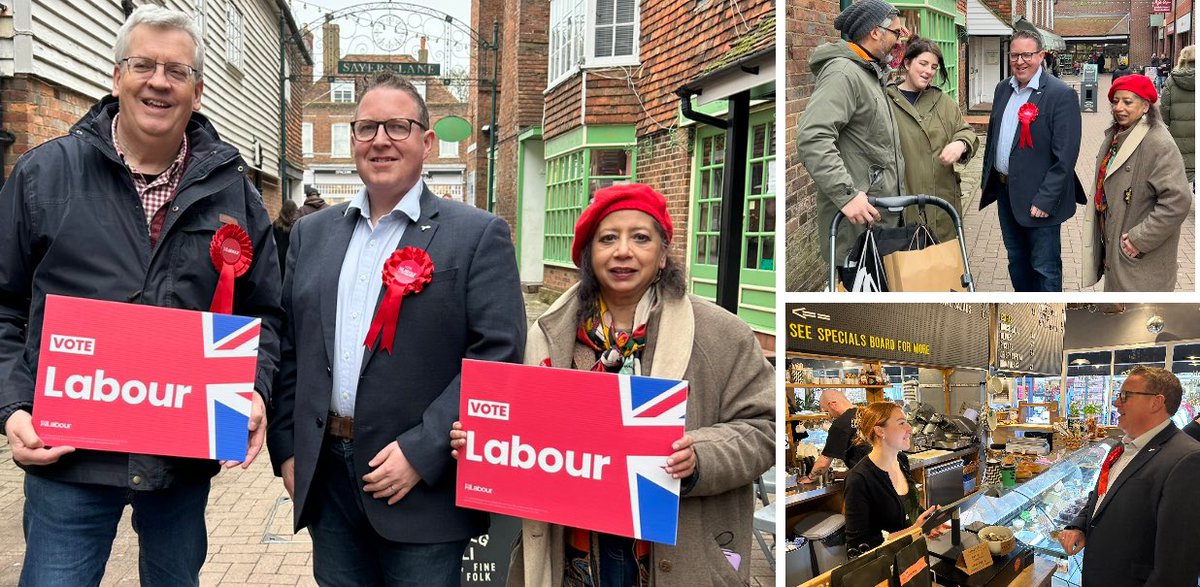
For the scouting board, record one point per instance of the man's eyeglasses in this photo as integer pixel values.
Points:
(1027, 56)
(145, 67)
(1123, 395)
(898, 32)
(396, 129)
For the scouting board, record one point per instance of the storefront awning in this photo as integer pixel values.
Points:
(1050, 41)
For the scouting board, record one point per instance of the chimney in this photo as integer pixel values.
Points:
(423, 54)
(331, 42)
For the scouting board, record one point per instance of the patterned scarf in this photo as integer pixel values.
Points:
(1101, 198)
(618, 351)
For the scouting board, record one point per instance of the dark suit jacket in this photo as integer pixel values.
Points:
(472, 308)
(1043, 175)
(1147, 528)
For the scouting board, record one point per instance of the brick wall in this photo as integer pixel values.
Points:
(809, 23)
(36, 111)
(479, 103)
(1140, 42)
(523, 50)
(665, 162)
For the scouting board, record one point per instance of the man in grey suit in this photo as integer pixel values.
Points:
(1141, 523)
(1034, 185)
(359, 433)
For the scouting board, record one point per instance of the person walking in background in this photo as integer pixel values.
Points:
(1121, 70)
(933, 135)
(1141, 197)
(312, 201)
(289, 213)
(1178, 108)
(847, 138)
(1029, 165)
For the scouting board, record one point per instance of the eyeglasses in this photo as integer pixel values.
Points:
(1123, 395)
(396, 129)
(1027, 56)
(897, 32)
(145, 67)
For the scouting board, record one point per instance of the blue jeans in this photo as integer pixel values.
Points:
(1034, 254)
(346, 549)
(69, 530)
(618, 562)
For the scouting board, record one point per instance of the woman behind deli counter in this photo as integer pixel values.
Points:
(880, 493)
(840, 443)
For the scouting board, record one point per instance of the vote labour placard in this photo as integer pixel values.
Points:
(577, 448)
(144, 379)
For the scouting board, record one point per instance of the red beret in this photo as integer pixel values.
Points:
(1136, 83)
(633, 196)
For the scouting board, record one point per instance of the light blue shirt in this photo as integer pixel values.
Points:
(359, 285)
(1008, 122)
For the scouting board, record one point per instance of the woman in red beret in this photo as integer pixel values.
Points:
(1140, 199)
(630, 313)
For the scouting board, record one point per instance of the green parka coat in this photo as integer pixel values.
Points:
(925, 129)
(847, 138)
(1178, 107)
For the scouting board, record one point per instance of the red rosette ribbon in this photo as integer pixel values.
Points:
(1026, 114)
(232, 253)
(407, 271)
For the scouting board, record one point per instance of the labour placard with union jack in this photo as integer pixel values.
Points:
(577, 448)
(144, 379)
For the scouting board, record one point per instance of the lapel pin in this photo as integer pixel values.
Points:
(425, 227)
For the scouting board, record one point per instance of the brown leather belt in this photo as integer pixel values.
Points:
(1003, 178)
(340, 426)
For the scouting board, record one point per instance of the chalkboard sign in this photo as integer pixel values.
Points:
(1091, 73)
(1029, 338)
(485, 561)
(935, 335)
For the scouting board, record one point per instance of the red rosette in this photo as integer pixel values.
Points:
(1026, 114)
(231, 252)
(406, 272)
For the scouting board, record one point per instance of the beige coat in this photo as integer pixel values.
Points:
(730, 414)
(1149, 198)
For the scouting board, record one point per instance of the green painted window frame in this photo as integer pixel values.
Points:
(935, 20)
(756, 295)
(570, 184)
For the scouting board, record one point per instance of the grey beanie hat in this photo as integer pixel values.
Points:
(857, 20)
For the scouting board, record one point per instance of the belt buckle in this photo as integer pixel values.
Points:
(340, 426)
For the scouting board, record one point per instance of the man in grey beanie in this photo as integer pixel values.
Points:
(847, 138)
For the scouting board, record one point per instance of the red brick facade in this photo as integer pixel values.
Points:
(523, 53)
(479, 103)
(809, 23)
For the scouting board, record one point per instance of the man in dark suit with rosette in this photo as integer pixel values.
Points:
(1029, 165)
(385, 296)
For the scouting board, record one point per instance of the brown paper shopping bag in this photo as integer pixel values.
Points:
(934, 268)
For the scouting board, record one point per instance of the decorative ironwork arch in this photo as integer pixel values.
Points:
(400, 28)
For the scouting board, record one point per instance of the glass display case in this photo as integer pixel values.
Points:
(1044, 504)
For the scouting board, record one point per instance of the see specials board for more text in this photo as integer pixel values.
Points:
(577, 448)
(144, 379)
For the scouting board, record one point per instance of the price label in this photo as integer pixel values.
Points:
(975, 559)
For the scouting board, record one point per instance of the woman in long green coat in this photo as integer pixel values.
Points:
(933, 135)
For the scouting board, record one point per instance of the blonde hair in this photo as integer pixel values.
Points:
(868, 417)
(1187, 57)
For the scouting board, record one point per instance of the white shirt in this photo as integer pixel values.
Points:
(359, 287)
(1132, 447)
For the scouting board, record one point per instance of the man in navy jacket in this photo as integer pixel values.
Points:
(1035, 186)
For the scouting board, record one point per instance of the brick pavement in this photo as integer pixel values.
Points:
(989, 260)
(249, 529)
